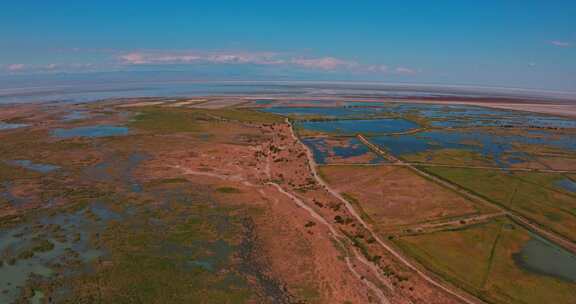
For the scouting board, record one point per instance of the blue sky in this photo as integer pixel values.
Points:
(511, 43)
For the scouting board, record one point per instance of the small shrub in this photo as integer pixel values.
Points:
(310, 224)
(228, 190)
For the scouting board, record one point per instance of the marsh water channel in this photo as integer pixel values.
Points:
(408, 129)
(45, 247)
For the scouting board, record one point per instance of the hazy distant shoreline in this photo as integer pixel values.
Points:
(540, 101)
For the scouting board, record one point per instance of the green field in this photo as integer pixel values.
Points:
(532, 195)
(163, 120)
(481, 259)
(449, 157)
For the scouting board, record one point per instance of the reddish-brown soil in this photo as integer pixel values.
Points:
(392, 196)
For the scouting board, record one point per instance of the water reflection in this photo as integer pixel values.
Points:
(91, 131)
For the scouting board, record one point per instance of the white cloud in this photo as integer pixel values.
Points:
(405, 71)
(559, 43)
(15, 67)
(118, 60)
(378, 68)
(324, 63)
(257, 58)
(51, 68)
(138, 58)
(133, 58)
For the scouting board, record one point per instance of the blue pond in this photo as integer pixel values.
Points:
(470, 116)
(367, 126)
(566, 184)
(497, 147)
(75, 115)
(264, 101)
(42, 168)
(91, 131)
(322, 151)
(10, 126)
(540, 256)
(441, 115)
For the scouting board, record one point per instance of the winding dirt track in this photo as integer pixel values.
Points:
(459, 294)
(335, 234)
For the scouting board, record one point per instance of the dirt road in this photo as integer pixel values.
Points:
(458, 294)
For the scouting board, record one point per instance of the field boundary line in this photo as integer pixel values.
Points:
(551, 235)
(491, 258)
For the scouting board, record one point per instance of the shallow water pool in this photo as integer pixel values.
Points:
(566, 184)
(91, 131)
(42, 168)
(540, 256)
(366, 126)
(10, 126)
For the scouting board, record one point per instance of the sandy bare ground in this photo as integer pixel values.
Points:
(217, 103)
(141, 104)
(185, 103)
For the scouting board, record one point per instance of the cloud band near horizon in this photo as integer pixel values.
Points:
(258, 58)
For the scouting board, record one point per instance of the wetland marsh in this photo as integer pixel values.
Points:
(131, 200)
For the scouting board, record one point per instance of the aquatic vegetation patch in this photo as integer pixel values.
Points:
(54, 244)
(160, 261)
(91, 131)
(500, 149)
(341, 150)
(353, 127)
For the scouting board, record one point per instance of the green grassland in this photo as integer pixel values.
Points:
(166, 120)
(449, 157)
(527, 193)
(451, 252)
(479, 258)
(188, 258)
